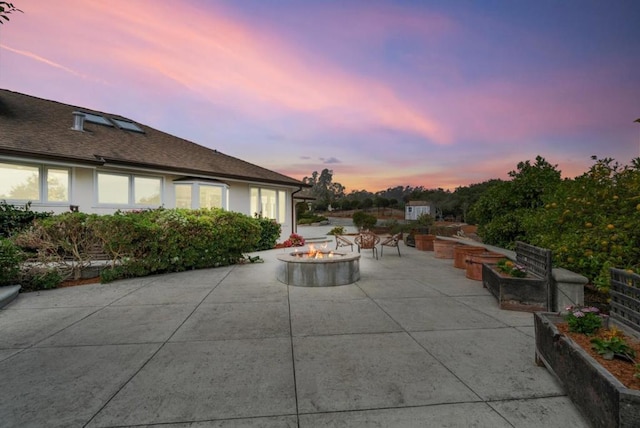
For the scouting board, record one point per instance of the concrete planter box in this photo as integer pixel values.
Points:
(601, 398)
(527, 294)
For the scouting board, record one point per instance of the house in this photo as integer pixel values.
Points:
(414, 209)
(61, 157)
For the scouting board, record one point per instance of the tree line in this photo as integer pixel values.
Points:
(448, 204)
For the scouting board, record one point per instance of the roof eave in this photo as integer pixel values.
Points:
(189, 171)
(53, 157)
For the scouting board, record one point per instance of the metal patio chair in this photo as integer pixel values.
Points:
(391, 241)
(341, 241)
(368, 241)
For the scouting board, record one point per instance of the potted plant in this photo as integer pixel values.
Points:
(421, 233)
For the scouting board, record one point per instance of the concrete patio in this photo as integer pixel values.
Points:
(412, 344)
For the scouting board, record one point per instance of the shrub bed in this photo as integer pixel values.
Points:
(136, 243)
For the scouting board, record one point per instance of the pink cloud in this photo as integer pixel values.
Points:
(217, 58)
(508, 111)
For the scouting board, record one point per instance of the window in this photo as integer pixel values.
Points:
(269, 203)
(57, 184)
(96, 118)
(210, 196)
(36, 183)
(129, 126)
(183, 195)
(146, 190)
(127, 189)
(196, 194)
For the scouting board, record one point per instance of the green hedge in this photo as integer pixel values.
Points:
(363, 220)
(14, 219)
(10, 259)
(270, 232)
(144, 242)
(176, 240)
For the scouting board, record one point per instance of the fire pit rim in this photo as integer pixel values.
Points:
(344, 257)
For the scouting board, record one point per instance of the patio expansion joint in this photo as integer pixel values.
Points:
(417, 406)
(293, 355)
(407, 332)
(152, 356)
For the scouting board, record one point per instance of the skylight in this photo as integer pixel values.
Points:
(94, 118)
(129, 126)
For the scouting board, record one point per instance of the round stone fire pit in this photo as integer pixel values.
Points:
(318, 269)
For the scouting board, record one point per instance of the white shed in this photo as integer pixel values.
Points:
(415, 209)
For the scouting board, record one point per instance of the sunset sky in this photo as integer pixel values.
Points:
(384, 93)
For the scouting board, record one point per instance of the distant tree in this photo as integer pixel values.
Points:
(360, 195)
(366, 203)
(7, 8)
(465, 196)
(301, 208)
(345, 204)
(500, 210)
(323, 188)
(380, 202)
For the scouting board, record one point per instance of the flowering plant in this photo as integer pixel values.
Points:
(585, 320)
(510, 268)
(294, 240)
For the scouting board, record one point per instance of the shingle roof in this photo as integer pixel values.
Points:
(37, 127)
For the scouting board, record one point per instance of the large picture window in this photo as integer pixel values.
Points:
(35, 183)
(199, 194)
(129, 190)
(269, 203)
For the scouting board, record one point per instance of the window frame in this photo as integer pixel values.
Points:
(43, 182)
(280, 199)
(195, 192)
(131, 195)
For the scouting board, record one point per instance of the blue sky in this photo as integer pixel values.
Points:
(384, 93)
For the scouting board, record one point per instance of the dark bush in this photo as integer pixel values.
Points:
(177, 240)
(362, 220)
(269, 233)
(142, 242)
(15, 219)
(309, 218)
(10, 259)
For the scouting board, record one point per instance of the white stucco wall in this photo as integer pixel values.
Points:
(82, 193)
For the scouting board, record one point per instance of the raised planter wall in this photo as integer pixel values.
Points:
(601, 398)
(527, 294)
(568, 288)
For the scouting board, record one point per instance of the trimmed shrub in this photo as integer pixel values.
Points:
(40, 278)
(270, 232)
(177, 240)
(14, 219)
(338, 230)
(362, 220)
(10, 259)
(142, 242)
